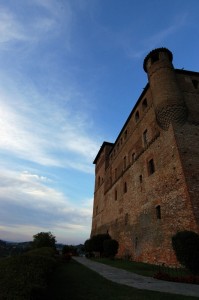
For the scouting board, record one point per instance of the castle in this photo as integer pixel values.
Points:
(147, 182)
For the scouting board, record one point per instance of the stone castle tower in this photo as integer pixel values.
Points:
(147, 182)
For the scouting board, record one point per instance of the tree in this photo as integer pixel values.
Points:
(69, 249)
(110, 247)
(186, 247)
(88, 245)
(43, 239)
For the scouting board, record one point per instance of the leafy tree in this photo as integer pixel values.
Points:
(43, 239)
(186, 247)
(110, 247)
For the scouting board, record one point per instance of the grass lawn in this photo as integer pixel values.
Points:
(73, 281)
(140, 268)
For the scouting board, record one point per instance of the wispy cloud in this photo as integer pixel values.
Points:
(36, 26)
(44, 134)
(10, 28)
(156, 38)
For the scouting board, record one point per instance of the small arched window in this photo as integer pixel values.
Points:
(124, 162)
(115, 195)
(158, 212)
(144, 104)
(137, 116)
(125, 187)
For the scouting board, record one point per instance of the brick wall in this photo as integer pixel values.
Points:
(150, 174)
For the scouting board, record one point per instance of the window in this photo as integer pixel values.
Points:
(137, 116)
(144, 104)
(110, 180)
(115, 195)
(125, 134)
(140, 177)
(125, 187)
(133, 157)
(99, 181)
(195, 83)
(158, 212)
(154, 57)
(124, 162)
(116, 173)
(96, 210)
(145, 137)
(151, 166)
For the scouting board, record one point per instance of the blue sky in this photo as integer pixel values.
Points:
(70, 73)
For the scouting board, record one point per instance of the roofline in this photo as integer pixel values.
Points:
(101, 149)
(138, 101)
(132, 112)
(182, 71)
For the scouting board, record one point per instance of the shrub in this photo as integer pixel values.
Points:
(95, 243)
(25, 276)
(110, 247)
(186, 247)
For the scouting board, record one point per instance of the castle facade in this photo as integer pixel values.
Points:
(147, 181)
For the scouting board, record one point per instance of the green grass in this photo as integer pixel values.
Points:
(139, 268)
(73, 281)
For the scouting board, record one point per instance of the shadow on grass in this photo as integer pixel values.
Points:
(73, 281)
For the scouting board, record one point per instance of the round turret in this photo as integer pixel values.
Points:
(168, 99)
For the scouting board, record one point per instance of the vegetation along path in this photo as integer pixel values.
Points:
(74, 281)
(138, 281)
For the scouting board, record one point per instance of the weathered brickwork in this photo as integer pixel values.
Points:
(147, 182)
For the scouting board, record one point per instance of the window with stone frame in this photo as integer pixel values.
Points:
(151, 166)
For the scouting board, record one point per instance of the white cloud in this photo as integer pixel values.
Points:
(39, 26)
(43, 132)
(28, 205)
